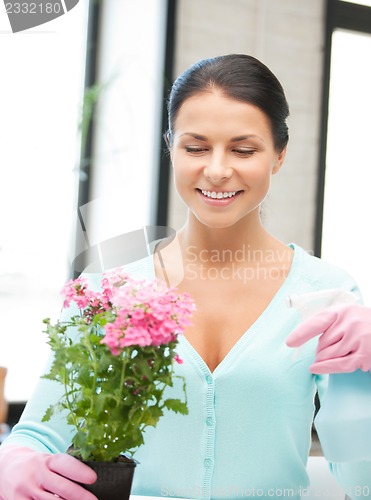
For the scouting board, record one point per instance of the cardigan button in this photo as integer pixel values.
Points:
(209, 379)
(208, 462)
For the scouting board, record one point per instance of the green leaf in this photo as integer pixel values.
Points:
(176, 405)
(48, 414)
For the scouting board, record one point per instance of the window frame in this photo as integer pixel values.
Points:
(338, 15)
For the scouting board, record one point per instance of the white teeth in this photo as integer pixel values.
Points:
(220, 195)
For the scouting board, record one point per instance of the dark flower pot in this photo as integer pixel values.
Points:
(114, 479)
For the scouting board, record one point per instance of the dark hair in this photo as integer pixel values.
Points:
(240, 77)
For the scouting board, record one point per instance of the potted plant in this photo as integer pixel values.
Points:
(115, 357)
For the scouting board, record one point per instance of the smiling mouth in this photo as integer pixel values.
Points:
(218, 195)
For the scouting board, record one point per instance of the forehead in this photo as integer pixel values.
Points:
(211, 111)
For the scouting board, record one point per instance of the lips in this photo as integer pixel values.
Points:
(218, 197)
(218, 194)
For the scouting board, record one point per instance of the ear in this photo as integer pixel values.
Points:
(279, 160)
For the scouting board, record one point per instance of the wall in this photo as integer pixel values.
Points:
(287, 35)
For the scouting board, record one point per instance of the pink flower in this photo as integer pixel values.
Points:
(115, 278)
(111, 281)
(77, 291)
(178, 359)
(145, 313)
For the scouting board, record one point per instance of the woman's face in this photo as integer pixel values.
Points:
(223, 157)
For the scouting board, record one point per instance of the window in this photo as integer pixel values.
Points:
(40, 101)
(346, 238)
(40, 107)
(128, 134)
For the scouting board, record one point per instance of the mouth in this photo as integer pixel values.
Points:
(218, 195)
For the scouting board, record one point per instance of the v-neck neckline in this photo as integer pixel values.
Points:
(253, 327)
(245, 337)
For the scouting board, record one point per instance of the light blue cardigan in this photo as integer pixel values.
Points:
(248, 432)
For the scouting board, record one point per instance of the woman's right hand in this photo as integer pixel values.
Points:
(26, 474)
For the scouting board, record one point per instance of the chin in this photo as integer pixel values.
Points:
(216, 222)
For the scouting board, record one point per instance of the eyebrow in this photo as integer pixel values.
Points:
(244, 137)
(196, 136)
(234, 139)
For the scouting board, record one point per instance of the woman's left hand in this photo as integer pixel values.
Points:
(345, 338)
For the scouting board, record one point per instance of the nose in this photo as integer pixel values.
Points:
(217, 169)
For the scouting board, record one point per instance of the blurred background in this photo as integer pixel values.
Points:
(82, 160)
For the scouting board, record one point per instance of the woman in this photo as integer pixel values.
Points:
(250, 400)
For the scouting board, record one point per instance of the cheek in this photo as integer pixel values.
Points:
(181, 175)
(258, 174)
(184, 169)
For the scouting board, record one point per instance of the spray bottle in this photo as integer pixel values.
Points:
(343, 422)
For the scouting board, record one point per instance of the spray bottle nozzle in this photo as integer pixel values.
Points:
(311, 303)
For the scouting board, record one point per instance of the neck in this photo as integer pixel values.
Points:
(232, 243)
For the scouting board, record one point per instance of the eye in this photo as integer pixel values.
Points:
(244, 151)
(195, 149)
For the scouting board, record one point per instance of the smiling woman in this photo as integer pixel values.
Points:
(250, 400)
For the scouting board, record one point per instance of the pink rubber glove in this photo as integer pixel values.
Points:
(345, 341)
(26, 474)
